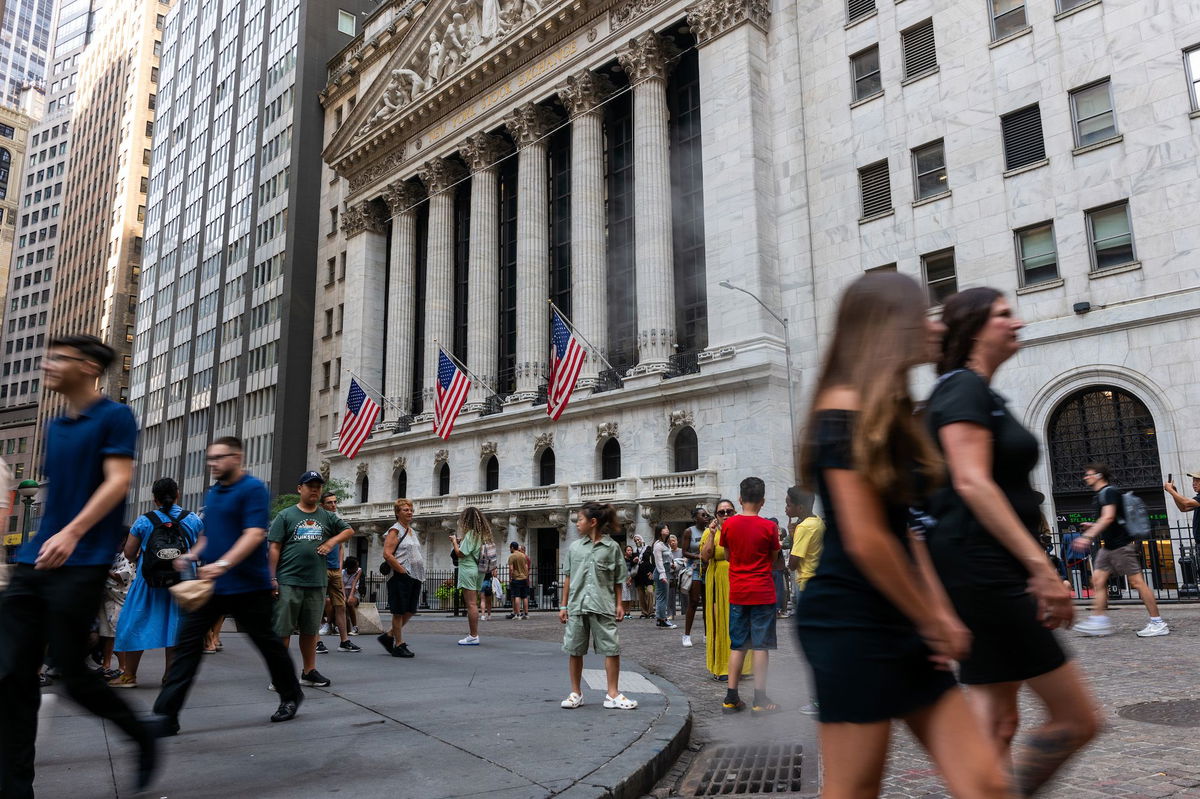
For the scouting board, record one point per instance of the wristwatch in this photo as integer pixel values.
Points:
(224, 564)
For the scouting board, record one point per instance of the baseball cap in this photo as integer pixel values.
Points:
(310, 477)
(513, 545)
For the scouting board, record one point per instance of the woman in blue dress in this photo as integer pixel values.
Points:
(150, 618)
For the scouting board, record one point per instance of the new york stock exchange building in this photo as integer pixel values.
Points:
(638, 161)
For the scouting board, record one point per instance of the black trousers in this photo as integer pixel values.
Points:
(52, 608)
(253, 611)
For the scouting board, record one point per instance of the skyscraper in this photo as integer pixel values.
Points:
(25, 44)
(224, 330)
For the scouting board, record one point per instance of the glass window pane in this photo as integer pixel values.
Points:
(865, 87)
(866, 63)
(1092, 101)
(939, 267)
(1110, 222)
(1037, 243)
(1097, 129)
(930, 159)
(1008, 17)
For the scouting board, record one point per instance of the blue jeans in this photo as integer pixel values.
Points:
(662, 591)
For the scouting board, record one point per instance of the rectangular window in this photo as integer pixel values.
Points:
(1036, 254)
(940, 277)
(1191, 61)
(1023, 141)
(857, 9)
(1111, 236)
(920, 52)
(864, 70)
(346, 22)
(1008, 17)
(1067, 5)
(929, 170)
(875, 186)
(1092, 113)
(333, 219)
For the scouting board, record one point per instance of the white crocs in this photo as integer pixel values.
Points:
(619, 702)
(573, 701)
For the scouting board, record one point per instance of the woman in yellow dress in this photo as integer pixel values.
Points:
(716, 596)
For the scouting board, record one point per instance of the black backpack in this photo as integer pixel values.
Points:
(166, 542)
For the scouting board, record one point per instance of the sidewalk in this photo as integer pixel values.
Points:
(452, 722)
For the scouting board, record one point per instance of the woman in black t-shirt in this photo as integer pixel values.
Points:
(985, 544)
(876, 627)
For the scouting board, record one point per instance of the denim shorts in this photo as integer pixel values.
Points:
(752, 627)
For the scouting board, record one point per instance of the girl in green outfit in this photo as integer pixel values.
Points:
(474, 534)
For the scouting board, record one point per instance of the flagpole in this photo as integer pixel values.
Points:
(575, 330)
(387, 401)
(474, 377)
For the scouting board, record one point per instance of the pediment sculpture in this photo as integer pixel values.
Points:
(466, 30)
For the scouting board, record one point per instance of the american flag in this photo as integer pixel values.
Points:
(566, 359)
(452, 387)
(361, 413)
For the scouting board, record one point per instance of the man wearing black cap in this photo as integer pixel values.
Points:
(301, 537)
(1184, 504)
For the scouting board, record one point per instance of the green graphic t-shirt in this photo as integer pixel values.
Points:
(301, 533)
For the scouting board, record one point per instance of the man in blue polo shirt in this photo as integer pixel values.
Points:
(236, 518)
(58, 583)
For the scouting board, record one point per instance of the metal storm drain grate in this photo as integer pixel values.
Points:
(749, 770)
(1176, 713)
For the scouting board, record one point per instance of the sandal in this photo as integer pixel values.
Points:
(619, 702)
(210, 651)
(572, 701)
(736, 707)
(765, 709)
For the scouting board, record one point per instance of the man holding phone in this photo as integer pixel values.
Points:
(1184, 504)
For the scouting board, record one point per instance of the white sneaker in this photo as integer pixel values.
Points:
(811, 709)
(470, 640)
(324, 629)
(1094, 626)
(1154, 629)
(687, 640)
(353, 631)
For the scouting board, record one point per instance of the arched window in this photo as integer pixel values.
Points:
(610, 460)
(364, 488)
(687, 451)
(443, 480)
(491, 474)
(402, 484)
(546, 468)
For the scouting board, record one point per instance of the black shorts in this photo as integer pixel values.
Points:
(1009, 643)
(518, 589)
(404, 594)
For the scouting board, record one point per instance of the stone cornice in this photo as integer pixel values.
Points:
(529, 123)
(483, 150)
(584, 91)
(361, 217)
(647, 56)
(709, 19)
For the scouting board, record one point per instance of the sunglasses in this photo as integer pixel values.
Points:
(724, 513)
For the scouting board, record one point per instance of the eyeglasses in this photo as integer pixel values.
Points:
(724, 513)
(57, 357)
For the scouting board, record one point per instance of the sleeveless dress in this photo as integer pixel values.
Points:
(868, 662)
(716, 610)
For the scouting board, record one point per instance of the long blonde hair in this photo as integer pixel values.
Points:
(880, 334)
(472, 521)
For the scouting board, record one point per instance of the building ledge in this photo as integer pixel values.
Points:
(861, 19)
(1014, 35)
(1132, 266)
(924, 74)
(1027, 168)
(890, 212)
(1072, 11)
(867, 99)
(1195, 114)
(931, 199)
(1045, 285)
(1087, 148)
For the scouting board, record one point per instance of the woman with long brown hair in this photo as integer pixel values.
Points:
(986, 549)
(876, 626)
(476, 553)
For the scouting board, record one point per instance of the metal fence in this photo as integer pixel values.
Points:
(440, 596)
(1168, 560)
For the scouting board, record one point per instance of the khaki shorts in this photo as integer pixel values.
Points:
(601, 629)
(333, 590)
(299, 608)
(1122, 561)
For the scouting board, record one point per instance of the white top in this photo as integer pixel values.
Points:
(408, 552)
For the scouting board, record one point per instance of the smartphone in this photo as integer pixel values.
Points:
(1170, 478)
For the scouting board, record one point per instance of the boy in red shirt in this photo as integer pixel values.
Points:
(751, 542)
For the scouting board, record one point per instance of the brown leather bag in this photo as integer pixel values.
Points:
(192, 595)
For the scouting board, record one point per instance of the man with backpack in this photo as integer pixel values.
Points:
(1121, 520)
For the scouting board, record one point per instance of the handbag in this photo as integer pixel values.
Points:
(192, 595)
(385, 568)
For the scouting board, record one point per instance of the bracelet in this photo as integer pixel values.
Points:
(562, 607)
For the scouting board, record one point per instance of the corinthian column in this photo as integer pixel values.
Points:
(401, 198)
(582, 95)
(366, 264)
(528, 125)
(481, 152)
(647, 60)
(439, 177)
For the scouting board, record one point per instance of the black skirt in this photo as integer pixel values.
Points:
(1008, 643)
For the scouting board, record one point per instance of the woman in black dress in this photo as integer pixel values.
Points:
(986, 548)
(876, 627)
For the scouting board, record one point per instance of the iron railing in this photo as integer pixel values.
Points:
(684, 363)
(1168, 560)
(609, 380)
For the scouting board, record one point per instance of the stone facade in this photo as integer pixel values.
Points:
(782, 142)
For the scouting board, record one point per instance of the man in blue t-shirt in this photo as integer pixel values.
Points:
(58, 583)
(235, 537)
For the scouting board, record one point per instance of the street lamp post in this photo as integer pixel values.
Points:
(787, 356)
(28, 490)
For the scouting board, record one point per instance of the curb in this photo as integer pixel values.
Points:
(634, 772)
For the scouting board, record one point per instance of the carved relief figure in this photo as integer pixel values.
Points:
(457, 44)
(529, 8)
(433, 61)
(489, 27)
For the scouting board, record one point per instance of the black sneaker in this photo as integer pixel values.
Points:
(313, 678)
(511, 616)
(321, 650)
(666, 625)
(287, 709)
(349, 646)
(402, 651)
(386, 641)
